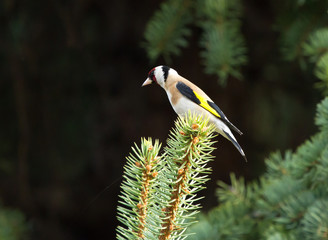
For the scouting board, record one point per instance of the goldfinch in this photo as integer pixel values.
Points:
(185, 96)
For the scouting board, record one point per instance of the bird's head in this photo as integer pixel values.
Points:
(159, 75)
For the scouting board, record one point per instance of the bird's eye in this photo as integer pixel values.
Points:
(153, 78)
(151, 75)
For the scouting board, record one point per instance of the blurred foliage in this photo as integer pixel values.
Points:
(302, 24)
(166, 34)
(223, 47)
(13, 225)
(304, 36)
(317, 50)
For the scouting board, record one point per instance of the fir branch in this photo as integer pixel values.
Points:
(274, 193)
(294, 36)
(188, 152)
(317, 44)
(317, 50)
(230, 221)
(234, 192)
(277, 165)
(307, 160)
(315, 221)
(224, 50)
(321, 118)
(321, 72)
(294, 207)
(166, 32)
(140, 176)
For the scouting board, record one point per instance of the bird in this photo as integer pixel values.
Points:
(185, 96)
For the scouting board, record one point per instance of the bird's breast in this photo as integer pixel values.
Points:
(183, 105)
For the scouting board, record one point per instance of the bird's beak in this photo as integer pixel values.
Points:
(147, 82)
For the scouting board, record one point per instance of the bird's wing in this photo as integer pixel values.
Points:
(210, 106)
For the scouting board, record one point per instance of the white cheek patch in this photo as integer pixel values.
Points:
(159, 77)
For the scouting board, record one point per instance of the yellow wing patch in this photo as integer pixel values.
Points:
(204, 104)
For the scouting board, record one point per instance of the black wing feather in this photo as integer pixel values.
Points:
(187, 92)
(223, 117)
(217, 109)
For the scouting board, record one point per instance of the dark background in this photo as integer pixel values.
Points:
(71, 107)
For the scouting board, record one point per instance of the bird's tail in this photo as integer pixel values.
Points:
(235, 143)
(233, 127)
